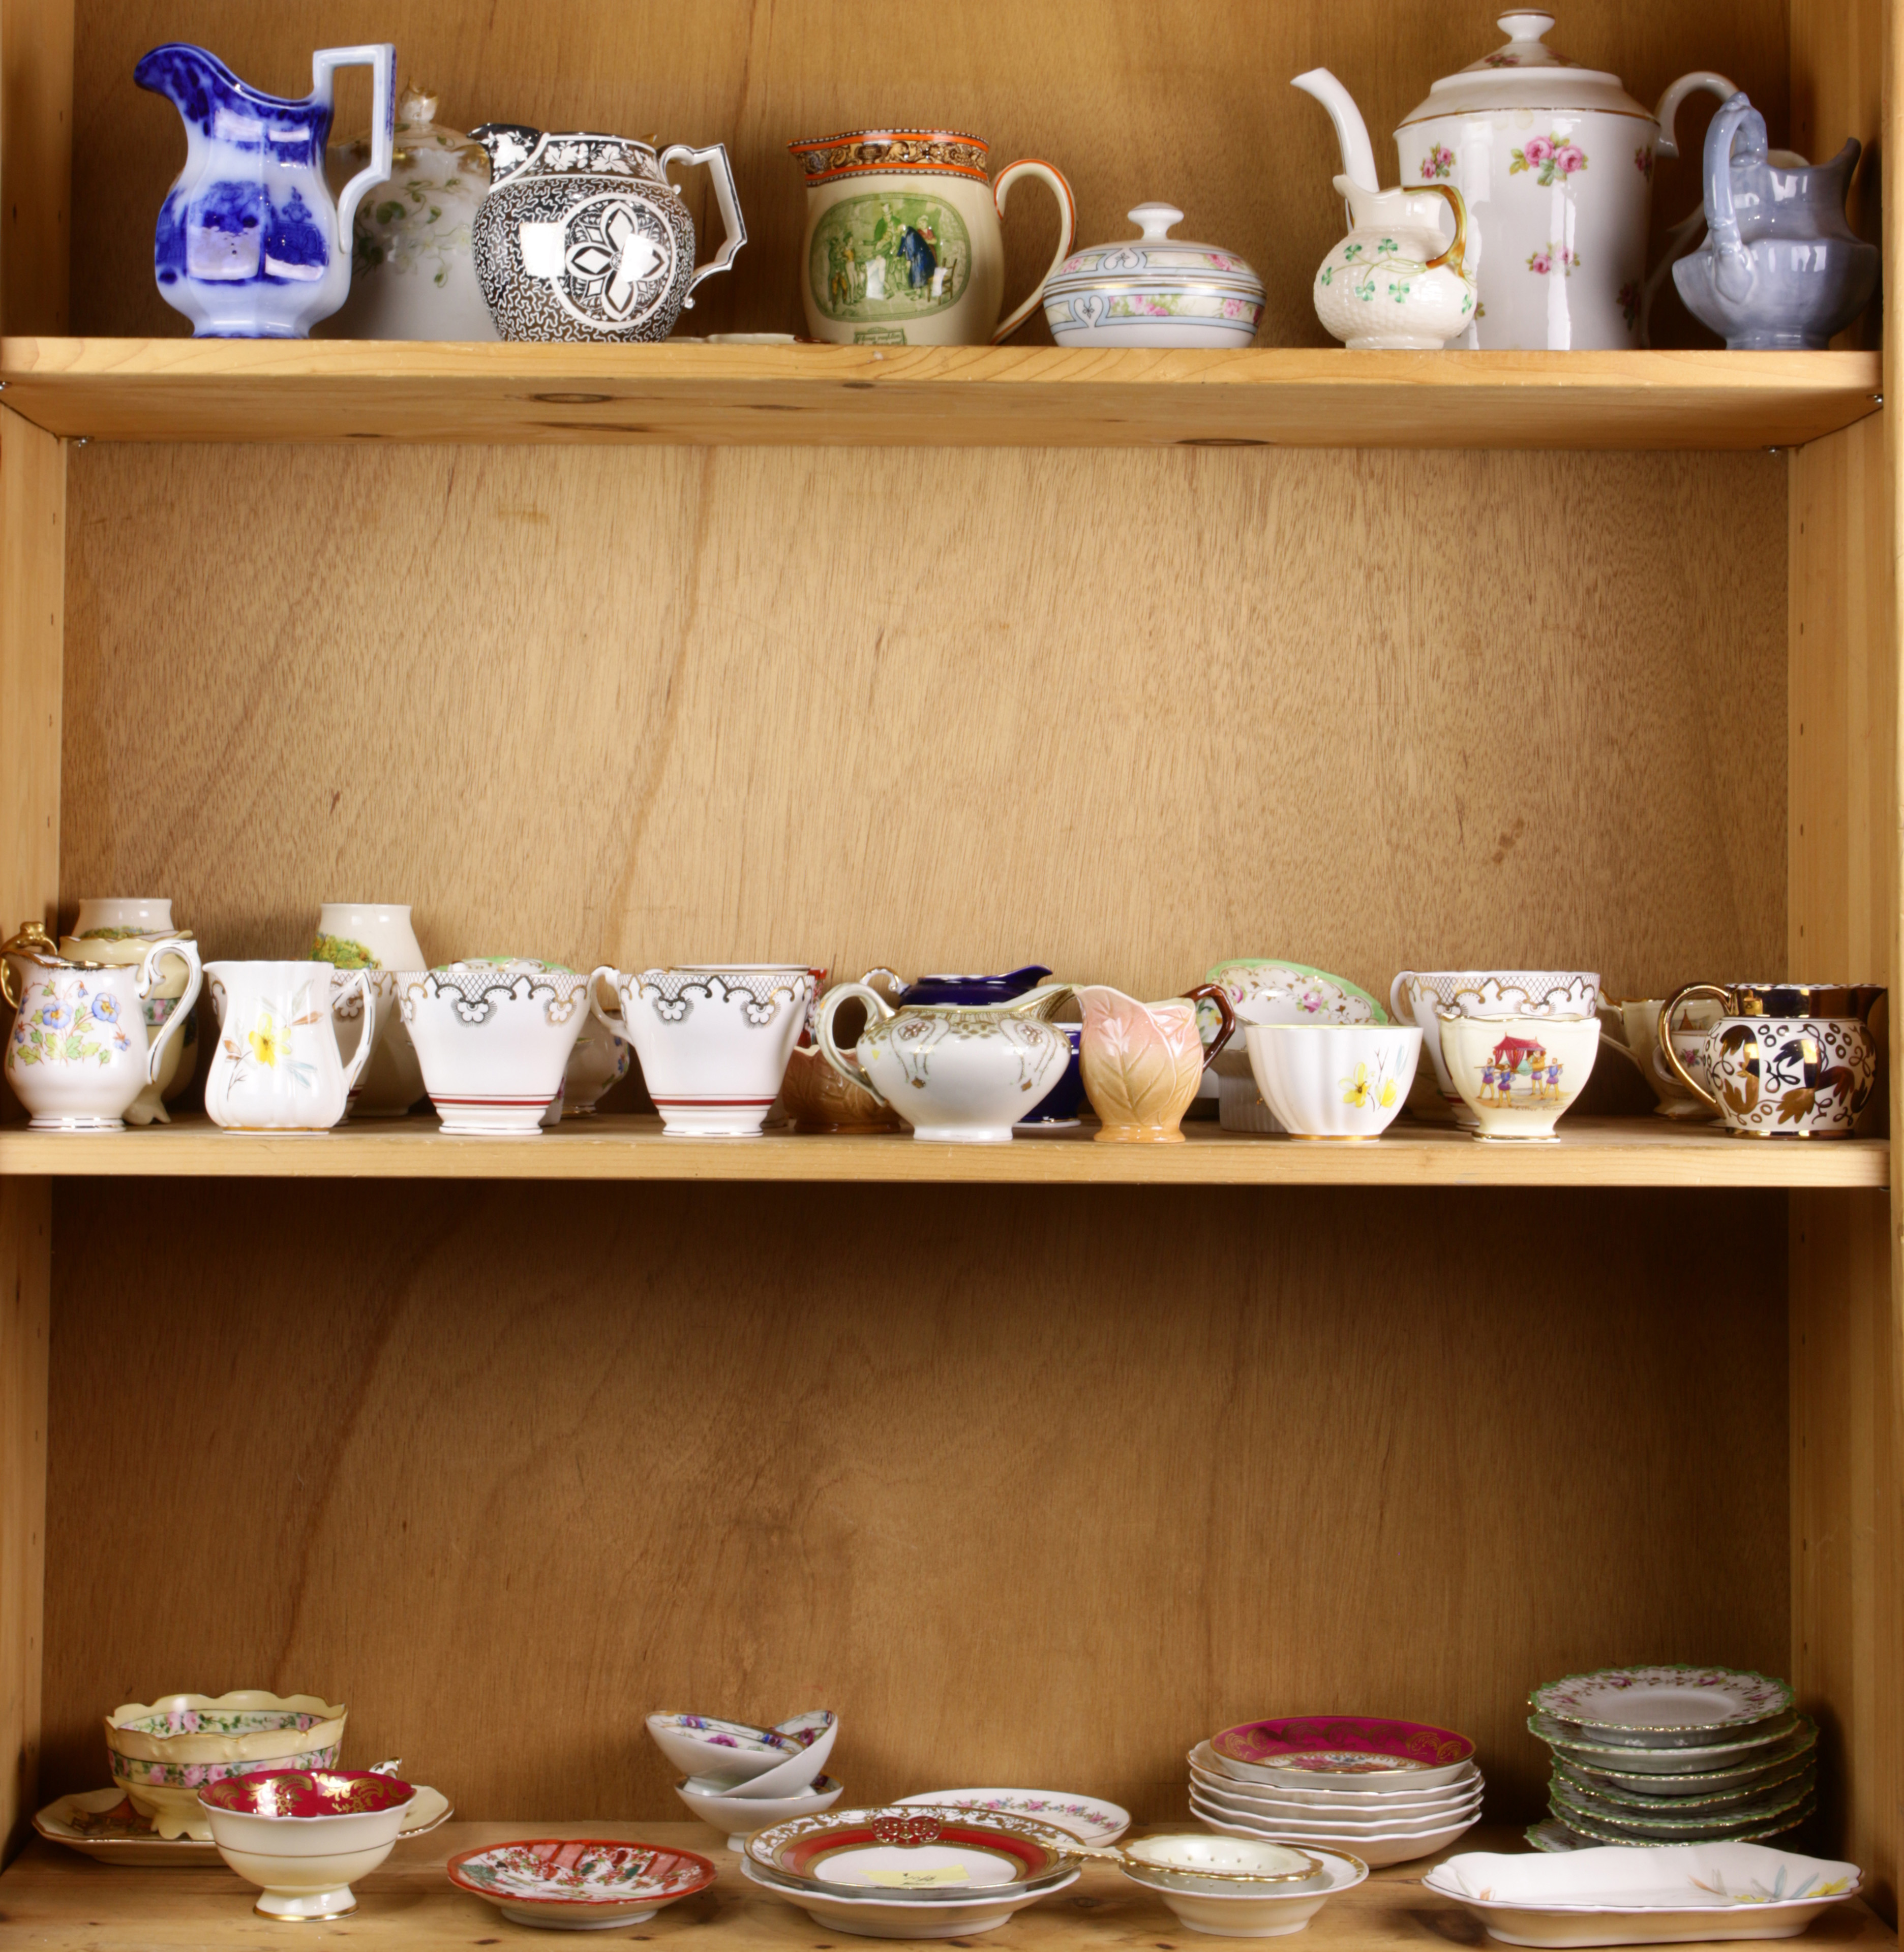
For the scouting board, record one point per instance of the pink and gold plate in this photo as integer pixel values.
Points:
(579, 1883)
(1346, 1748)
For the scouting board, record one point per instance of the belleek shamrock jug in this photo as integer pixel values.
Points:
(250, 245)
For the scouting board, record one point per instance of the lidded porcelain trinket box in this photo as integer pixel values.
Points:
(1155, 290)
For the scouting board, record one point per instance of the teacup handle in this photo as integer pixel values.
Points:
(616, 1027)
(1067, 226)
(853, 1073)
(187, 953)
(1693, 993)
(1394, 997)
(367, 1035)
(1213, 993)
(1613, 1032)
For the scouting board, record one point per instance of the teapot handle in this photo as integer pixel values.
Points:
(1692, 993)
(1455, 256)
(715, 157)
(367, 1036)
(876, 1007)
(1667, 112)
(379, 57)
(187, 953)
(1067, 226)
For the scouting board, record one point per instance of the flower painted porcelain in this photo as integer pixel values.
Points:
(580, 1884)
(903, 245)
(1142, 1062)
(78, 1054)
(304, 1836)
(120, 929)
(250, 245)
(739, 1757)
(276, 1066)
(376, 937)
(1419, 997)
(1153, 289)
(1555, 162)
(963, 1073)
(164, 1753)
(713, 1039)
(494, 1036)
(1346, 1751)
(1517, 1075)
(1090, 1819)
(1334, 1081)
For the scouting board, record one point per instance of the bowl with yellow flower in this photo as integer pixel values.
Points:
(1344, 1081)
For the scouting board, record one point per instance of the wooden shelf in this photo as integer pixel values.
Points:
(58, 1901)
(1591, 1152)
(183, 389)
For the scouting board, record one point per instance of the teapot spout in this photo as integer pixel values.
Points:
(1351, 132)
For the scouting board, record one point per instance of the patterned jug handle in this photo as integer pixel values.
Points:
(187, 952)
(1455, 256)
(1067, 227)
(877, 1008)
(715, 157)
(1693, 993)
(367, 1035)
(379, 57)
(1213, 993)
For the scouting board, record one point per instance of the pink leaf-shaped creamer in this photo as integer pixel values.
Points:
(1142, 1062)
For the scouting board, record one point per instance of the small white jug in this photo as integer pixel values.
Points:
(79, 1054)
(275, 1067)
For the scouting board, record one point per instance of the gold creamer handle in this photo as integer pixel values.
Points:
(1455, 256)
(32, 939)
(1692, 993)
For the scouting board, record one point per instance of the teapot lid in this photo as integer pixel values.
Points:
(1525, 73)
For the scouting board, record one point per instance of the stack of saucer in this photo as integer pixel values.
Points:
(1673, 1755)
(742, 1779)
(1386, 1792)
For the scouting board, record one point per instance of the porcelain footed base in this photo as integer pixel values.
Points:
(1740, 1132)
(963, 1928)
(1517, 1138)
(1031, 1126)
(961, 1135)
(75, 1125)
(1272, 1931)
(307, 1907)
(540, 1916)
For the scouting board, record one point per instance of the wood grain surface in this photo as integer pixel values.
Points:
(941, 710)
(1032, 1486)
(1633, 1150)
(170, 390)
(26, 1250)
(1134, 100)
(36, 164)
(71, 1906)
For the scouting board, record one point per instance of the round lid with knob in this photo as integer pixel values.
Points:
(1157, 261)
(1525, 73)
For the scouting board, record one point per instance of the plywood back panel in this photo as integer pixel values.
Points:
(1032, 1486)
(36, 164)
(1125, 713)
(25, 1249)
(1135, 100)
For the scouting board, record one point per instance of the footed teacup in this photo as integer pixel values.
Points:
(1517, 1075)
(1422, 997)
(956, 1071)
(304, 1836)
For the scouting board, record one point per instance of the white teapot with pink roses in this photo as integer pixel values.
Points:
(1554, 165)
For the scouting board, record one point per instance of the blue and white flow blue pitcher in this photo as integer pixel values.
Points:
(250, 245)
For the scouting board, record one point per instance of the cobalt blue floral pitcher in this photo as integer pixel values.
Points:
(250, 245)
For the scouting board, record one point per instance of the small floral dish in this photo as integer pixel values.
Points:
(1190, 1861)
(163, 1753)
(1663, 1707)
(1399, 1847)
(1089, 1819)
(579, 1884)
(1342, 1081)
(1627, 1895)
(493, 1035)
(1311, 1751)
(1153, 289)
(1235, 1913)
(887, 1916)
(735, 1753)
(908, 1850)
(741, 1815)
(305, 1836)
(1269, 991)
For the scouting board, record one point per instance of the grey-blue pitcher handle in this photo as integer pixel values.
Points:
(1733, 268)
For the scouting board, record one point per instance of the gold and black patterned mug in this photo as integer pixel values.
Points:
(1786, 1060)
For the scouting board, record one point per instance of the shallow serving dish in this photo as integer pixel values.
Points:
(1751, 1831)
(1680, 1824)
(1305, 1751)
(1089, 1819)
(1377, 1851)
(1306, 1818)
(305, 1836)
(1256, 1914)
(1627, 1895)
(901, 1849)
(579, 1885)
(741, 1816)
(1347, 1795)
(1685, 1796)
(884, 1916)
(1663, 1707)
(1774, 1743)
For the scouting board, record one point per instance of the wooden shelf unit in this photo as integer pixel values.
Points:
(1129, 664)
(1589, 1152)
(409, 1906)
(170, 390)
